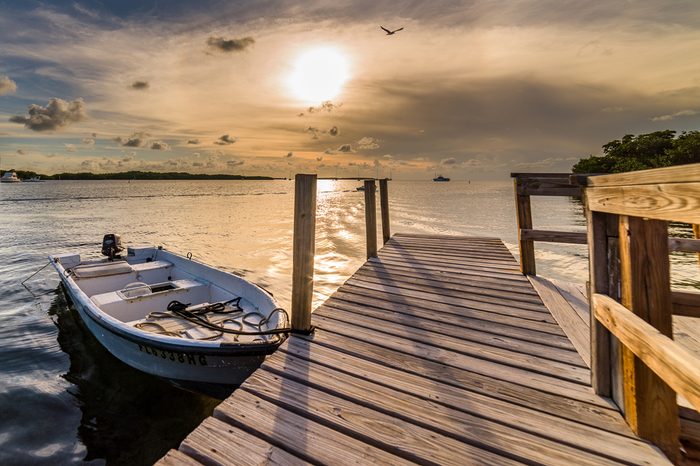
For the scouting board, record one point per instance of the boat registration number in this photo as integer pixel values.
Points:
(175, 356)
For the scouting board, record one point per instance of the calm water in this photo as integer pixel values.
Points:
(64, 399)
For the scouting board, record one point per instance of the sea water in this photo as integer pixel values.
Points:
(65, 399)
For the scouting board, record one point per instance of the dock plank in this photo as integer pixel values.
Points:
(436, 352)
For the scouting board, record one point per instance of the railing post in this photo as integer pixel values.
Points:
(304, 251)
(384, 205)
(599, 273)
(650, 404)
(696, 235)
(371, 218)
(524, 216)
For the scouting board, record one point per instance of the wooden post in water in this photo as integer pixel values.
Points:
(384, 205)
(526, 246)
(371, 218)
(304, 251)
(650, 404)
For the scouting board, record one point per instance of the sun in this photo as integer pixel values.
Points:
(319, 74)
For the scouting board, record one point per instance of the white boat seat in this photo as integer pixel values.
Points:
(101, 270)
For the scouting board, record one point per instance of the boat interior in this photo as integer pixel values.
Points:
(138, 293)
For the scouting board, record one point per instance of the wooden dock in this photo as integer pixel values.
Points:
(437, 351)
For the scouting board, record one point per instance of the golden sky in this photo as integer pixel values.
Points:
(472, 89)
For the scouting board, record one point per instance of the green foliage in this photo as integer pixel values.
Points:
(653, 150)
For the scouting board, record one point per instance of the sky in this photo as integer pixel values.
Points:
(470, 89)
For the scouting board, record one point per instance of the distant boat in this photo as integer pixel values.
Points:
(440, 178)
(173, 317)
(10, 177)
(34, 179)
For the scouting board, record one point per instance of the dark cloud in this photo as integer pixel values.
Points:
(326, 106)
(21, 152)
(225, 140)
(7, 86)
(160, 145)
(449, 162)
(193, 141)
(139, 85)
(57, 114)
(289, 155)
(138, 139)
(673, 116)
(230, 45)
(346, 148)
(334, 131)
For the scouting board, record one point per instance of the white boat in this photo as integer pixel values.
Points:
(173, 317)
(34, 179)
(10, 177)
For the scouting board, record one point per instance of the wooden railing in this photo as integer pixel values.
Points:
(634, 359)
(304, 242)
(541, 184)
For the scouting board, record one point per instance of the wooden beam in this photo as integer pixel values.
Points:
(552, 236)
(546, 186)
(696, 234)
(684, 244)
(650, 404)
(676, 365)
(384, 206)
(599, 276)
(686, 303)
(676, 174)
(523, 175)
(304, 251)
(671, 201)
(524, 218)
(371, 218)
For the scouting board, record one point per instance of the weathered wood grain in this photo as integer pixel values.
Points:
(523, 214)
(384, 208)
(674, 201)
(216, 442)
(304, 248)
(569, 320)
(677, 174)
(547, 186)
(177, 458)
(673, 363)
(650, 404)
(686, 303)
(572, 237)
(370, 218)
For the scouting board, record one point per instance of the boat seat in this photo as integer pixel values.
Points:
(101, 269)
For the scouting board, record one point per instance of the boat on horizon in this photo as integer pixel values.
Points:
(441, 178)
(10, 177)
(172, 317)
(34, 179)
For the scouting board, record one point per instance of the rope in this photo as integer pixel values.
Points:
(23, 282)
(198, 317)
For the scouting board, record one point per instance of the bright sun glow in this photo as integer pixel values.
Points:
(319, 74)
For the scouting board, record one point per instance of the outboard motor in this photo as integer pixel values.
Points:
(112, 246)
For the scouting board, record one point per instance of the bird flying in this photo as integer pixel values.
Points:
(388, 32)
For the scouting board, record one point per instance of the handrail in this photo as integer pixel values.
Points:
(541, 184)
(633, 357)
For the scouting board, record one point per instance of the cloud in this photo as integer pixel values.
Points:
(137, 139)
(71, 148)
(289, 155)
(450, 162)
(160, 145)
(326, 106)
(57, 114)
(193, 141)
(89, 141)
(367, 143)
(346, 148)
(225, 140)
(230, 45)
(388, 156)
(235, 163)
(673, 116)
(313, 131)
(21, 152)
(334, 131)
(139, 85)
(7, 86)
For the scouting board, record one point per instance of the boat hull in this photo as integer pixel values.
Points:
(186, 365)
